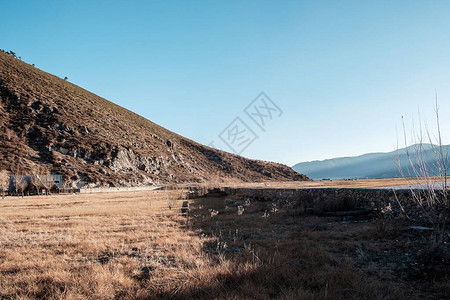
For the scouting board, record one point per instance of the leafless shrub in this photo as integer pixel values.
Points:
(20, 183)
(428, 181)
(66, 184)
(171, 200)
(48, 182)
(41, 179)
(35, 179)
(19, 179)
(4, 182)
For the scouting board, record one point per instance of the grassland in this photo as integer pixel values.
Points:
(359, 183)
(132, 246)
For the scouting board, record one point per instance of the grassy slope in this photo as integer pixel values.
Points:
(45, 119)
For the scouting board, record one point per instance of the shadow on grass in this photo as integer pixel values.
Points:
(282, 261)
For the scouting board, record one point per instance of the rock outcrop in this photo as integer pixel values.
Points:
(47, 121)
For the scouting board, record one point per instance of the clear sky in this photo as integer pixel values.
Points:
(342, 72)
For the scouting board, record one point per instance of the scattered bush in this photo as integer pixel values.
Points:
(428, 184)
(10, 53)
(4, 182)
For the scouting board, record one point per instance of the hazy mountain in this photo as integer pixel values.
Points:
(371, 165)
(50, 122)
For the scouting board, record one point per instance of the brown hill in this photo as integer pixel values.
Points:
(47, 121)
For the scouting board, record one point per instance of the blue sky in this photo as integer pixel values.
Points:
(343, 72)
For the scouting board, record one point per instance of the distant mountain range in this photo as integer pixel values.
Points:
(371, 165)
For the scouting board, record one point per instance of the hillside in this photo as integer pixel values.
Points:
(50, 122)
(371, 165)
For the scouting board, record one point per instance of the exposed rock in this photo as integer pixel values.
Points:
(92, 141)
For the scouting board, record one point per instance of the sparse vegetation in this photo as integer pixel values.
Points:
(37, 178)
(19, 179)
(429, 182)
(10, 53)
(4, 182)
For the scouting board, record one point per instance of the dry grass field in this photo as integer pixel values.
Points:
(98, 246)
(132, 246)
(359, 183)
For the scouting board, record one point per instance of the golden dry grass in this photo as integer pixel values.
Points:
(130, 245)
(359, 183)
(99, 246)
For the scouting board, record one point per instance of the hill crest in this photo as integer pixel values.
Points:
(48, 121)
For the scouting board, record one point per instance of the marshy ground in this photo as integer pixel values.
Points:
(131, 245)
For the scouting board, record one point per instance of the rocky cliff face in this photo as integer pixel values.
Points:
(50, 122)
